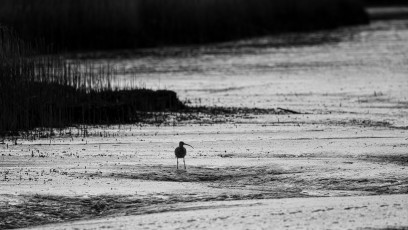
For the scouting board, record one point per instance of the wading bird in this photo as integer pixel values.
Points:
(181, 152)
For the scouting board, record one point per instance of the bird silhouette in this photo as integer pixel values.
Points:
(181, 152)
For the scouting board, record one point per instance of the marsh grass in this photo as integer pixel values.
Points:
(48, 91)
(107, 24)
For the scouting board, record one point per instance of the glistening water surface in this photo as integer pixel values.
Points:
(353, 70)
(358, 69)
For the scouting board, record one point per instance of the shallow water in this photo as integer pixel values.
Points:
(354, 70)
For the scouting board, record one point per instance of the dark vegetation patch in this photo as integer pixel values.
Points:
(47, 91)
(53, 105)
(106, 24)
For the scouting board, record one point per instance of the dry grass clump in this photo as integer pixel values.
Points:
(104, 24)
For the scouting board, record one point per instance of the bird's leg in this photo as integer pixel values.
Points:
(177, 162)
(184, 160)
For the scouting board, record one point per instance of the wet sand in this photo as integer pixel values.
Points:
(374, 212)
(134, 172)
(343, 159)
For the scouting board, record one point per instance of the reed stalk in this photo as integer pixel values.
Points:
(48, 91)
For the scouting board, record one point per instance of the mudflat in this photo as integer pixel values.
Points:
(341, 162)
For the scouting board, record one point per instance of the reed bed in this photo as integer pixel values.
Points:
(108, 24)
(48, 91)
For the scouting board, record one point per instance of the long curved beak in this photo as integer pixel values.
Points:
(189, 145)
